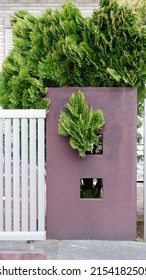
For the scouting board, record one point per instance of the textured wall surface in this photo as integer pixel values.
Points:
(36, 7)
(114, 216)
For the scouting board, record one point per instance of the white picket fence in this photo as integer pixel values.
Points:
(22, 175)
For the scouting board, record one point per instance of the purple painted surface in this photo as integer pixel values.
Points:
(114, 216)
(13, 255)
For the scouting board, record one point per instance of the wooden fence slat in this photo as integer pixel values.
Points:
(33, 175)
(32, 113)
(16, 175)
(41, 176)
(8, 188)
(24, 172)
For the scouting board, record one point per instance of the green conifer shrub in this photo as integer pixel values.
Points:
(62, 48)
(80, 124)
(19, 87)
(117, 44)
(139, 6)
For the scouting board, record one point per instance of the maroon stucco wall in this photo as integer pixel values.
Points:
(114, 216)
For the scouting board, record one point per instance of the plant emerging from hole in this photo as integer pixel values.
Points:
(81, 124)
(91, 188)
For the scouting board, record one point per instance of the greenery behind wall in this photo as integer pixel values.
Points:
(62, 48)
(138, 6)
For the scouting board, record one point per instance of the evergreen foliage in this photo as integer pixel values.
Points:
(119, 47)
(81, 124)
(62, 63)
(18, 87)
(62, 48)
(139, 6)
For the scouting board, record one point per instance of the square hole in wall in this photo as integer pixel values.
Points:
(97, 149)
(91, 188)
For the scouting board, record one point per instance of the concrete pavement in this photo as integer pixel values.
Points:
(76, 250)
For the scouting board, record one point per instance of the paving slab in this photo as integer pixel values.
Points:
(80, 249)
(17, 255)
(102, 250)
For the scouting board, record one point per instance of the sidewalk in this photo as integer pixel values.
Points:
(79, 249)
(75, 250)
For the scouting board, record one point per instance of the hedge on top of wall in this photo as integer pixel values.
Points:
(62, 48)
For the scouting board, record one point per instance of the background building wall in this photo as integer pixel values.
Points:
(36, 7)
